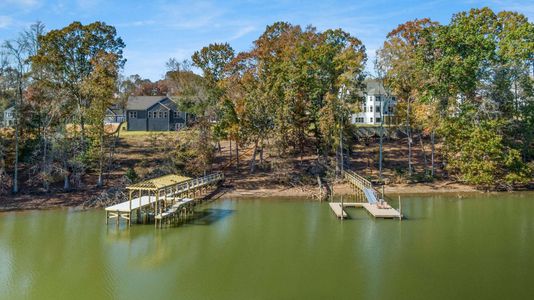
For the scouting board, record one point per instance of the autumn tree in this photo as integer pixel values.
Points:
(67, 57)
(399, 60)
(100, 86)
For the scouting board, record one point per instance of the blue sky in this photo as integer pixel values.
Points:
(156, 30)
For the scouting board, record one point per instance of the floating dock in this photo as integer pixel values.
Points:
(372, 209)
(372, 200)
(338, 210)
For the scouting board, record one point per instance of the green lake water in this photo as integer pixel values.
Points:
(477, 247)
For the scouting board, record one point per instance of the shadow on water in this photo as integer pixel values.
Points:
(209, 216)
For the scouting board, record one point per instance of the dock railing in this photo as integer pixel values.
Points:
(361, 183)
(199, 181)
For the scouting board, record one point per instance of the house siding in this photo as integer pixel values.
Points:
(139, 123)
(157, 123)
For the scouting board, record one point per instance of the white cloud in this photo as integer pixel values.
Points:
(136, 23)
(242, 32)
(5, 21)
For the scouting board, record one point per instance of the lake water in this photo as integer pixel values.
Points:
(478, 247)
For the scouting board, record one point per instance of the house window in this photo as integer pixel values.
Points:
(377, 120)
(165, 115)
(133, 114)
(176, 114)
(377, 109)
(370, 109)
(371, 120)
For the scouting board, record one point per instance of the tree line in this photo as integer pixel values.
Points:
(466, 86)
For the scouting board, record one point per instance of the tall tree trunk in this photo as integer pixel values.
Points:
(100, 181)
(17, 137)
(425, 161)
(432, 141)
(45, 169)
(380, 148)
(237, 155)
(261, 153)
(231, 156)
(253, 161)
(409, 134)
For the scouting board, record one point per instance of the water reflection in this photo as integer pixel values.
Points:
(476, 247)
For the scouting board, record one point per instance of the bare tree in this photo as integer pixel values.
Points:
(17, 51)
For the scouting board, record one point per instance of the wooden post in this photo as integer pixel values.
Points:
(342, 208)
(107, 217)
(400, 209)
(156, 209)
(139, 210)
(130, 210)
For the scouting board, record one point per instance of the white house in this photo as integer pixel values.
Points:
(9, 117)
(377, 105)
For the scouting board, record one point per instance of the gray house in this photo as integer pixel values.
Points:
(154, 113)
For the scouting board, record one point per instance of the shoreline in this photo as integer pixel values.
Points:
(344, 189)
(75, 200)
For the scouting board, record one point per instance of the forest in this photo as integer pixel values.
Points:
(466, 86)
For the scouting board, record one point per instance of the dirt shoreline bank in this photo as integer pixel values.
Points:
(76, 199)
(344, 189)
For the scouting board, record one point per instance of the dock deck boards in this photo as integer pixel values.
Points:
(388, 213)
(381, 212)
(125, 206)
(337, 209)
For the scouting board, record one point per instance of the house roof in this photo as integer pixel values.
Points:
(374, 87)
(143, 102)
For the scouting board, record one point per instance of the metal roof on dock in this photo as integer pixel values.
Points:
(157, 183)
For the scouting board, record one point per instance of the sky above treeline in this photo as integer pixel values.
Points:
(156, 30)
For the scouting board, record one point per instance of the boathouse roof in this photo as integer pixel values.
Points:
(158, 183)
